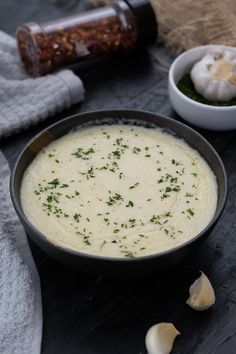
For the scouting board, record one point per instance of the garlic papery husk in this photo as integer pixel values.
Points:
(202, 295)
(214, 76)
(160, 338)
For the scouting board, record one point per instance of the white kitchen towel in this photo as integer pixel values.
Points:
(24, 100)
(20, 294)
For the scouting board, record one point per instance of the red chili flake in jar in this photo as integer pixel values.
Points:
(121, 26)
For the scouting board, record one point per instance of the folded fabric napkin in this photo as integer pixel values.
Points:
(24, 100)
(20, 295)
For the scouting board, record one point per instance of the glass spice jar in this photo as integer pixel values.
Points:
(122, 25)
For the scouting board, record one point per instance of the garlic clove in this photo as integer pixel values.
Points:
(160, 338)
(202, 295)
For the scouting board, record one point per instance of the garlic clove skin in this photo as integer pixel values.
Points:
(214, 75)
(160, 338)
(202, 295)
(216, 53)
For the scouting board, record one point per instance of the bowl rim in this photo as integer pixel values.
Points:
(19, 210)
(181, 94)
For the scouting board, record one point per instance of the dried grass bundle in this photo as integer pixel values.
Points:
(184, 24)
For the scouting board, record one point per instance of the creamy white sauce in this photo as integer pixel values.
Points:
(119, 191)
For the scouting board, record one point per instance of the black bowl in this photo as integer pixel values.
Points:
(107, 265)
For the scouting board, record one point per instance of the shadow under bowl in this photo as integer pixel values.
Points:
(109, 266)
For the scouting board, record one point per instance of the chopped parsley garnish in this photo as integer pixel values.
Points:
(176, 189)
(164, 195)
(136, 150)
(190, 211)
(134, 185)
(128, 254)
(155, 219)
(83, 154)
(86, 239)
(114, 199)
(116, 154)
(54, 182)
(129, 204)
(115, 231)
(52, 198)
(103, 244)
(89, 174)
(188, 195)
(77, 217)
(176, 163)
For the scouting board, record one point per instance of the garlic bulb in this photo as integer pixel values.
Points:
(160, 338)
(214, 76)
(202, 295)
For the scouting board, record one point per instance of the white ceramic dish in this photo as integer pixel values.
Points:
(199, 114)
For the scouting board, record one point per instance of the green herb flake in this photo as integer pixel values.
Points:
(77, 217)
(54, 183)
(115, 231)
(83, 154)
(128, 254)
(103, 244)
(188, 195)
(134, 185)
(114, 199)
(89, 174)
(136, 150)
(130, 204)
(155, 219)
(64, 185)
(190, 212)
(176, 163)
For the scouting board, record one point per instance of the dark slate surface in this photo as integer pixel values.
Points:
(92, 315)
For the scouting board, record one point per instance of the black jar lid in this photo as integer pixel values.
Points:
(146, 20)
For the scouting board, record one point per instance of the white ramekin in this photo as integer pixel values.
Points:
(199, 114)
